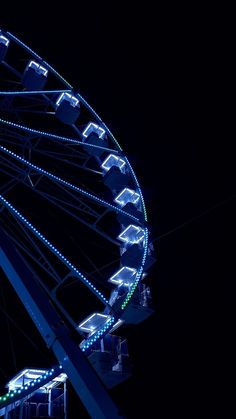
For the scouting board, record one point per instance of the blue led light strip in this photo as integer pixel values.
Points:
(139, 273)
(119, 147)
(53, 249)
(33, 92)
(93, 112)
(68, 184)
(35, 384)
(31, 387)
(14, 38)
(139, 189)
(97, 335)
(66, 82)
(53, 136)
(108, 325)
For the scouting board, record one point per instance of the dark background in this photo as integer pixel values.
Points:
(160, 80)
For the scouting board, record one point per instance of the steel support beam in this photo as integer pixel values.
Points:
(56, 334)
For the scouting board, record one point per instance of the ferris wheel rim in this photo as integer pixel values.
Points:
(70, 89)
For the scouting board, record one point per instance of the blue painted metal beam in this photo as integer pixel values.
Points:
(55, 333)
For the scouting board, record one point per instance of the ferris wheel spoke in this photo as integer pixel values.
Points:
(24, 239)
(43, 262)
(73, 202)
(9, 169)
(21, 136)
(10, 142)
(9, 185)
(67, 184)
(12, 69)
(29, 248)
(32, 92)
(72, 209)
(15, 104)
(109, 237)
(32, 105)
(91, 225)
(67, 153)
(54, 136)
(32, 142)
(64, 156)
(53, 249)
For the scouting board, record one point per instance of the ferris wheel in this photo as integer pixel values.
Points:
(74, 239)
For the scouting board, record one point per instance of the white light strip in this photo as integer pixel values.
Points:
(135, 230)
(104, 164)
(133, 196)
(91, 317)
(91, 127)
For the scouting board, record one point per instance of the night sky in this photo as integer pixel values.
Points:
(159, 81)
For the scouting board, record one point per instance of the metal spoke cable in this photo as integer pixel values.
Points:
(53, 249)
(67, 184)
(54, 136)
(52, 186)
(196, 217)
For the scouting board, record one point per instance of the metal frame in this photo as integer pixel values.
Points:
(21, 241)
(55, 334)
